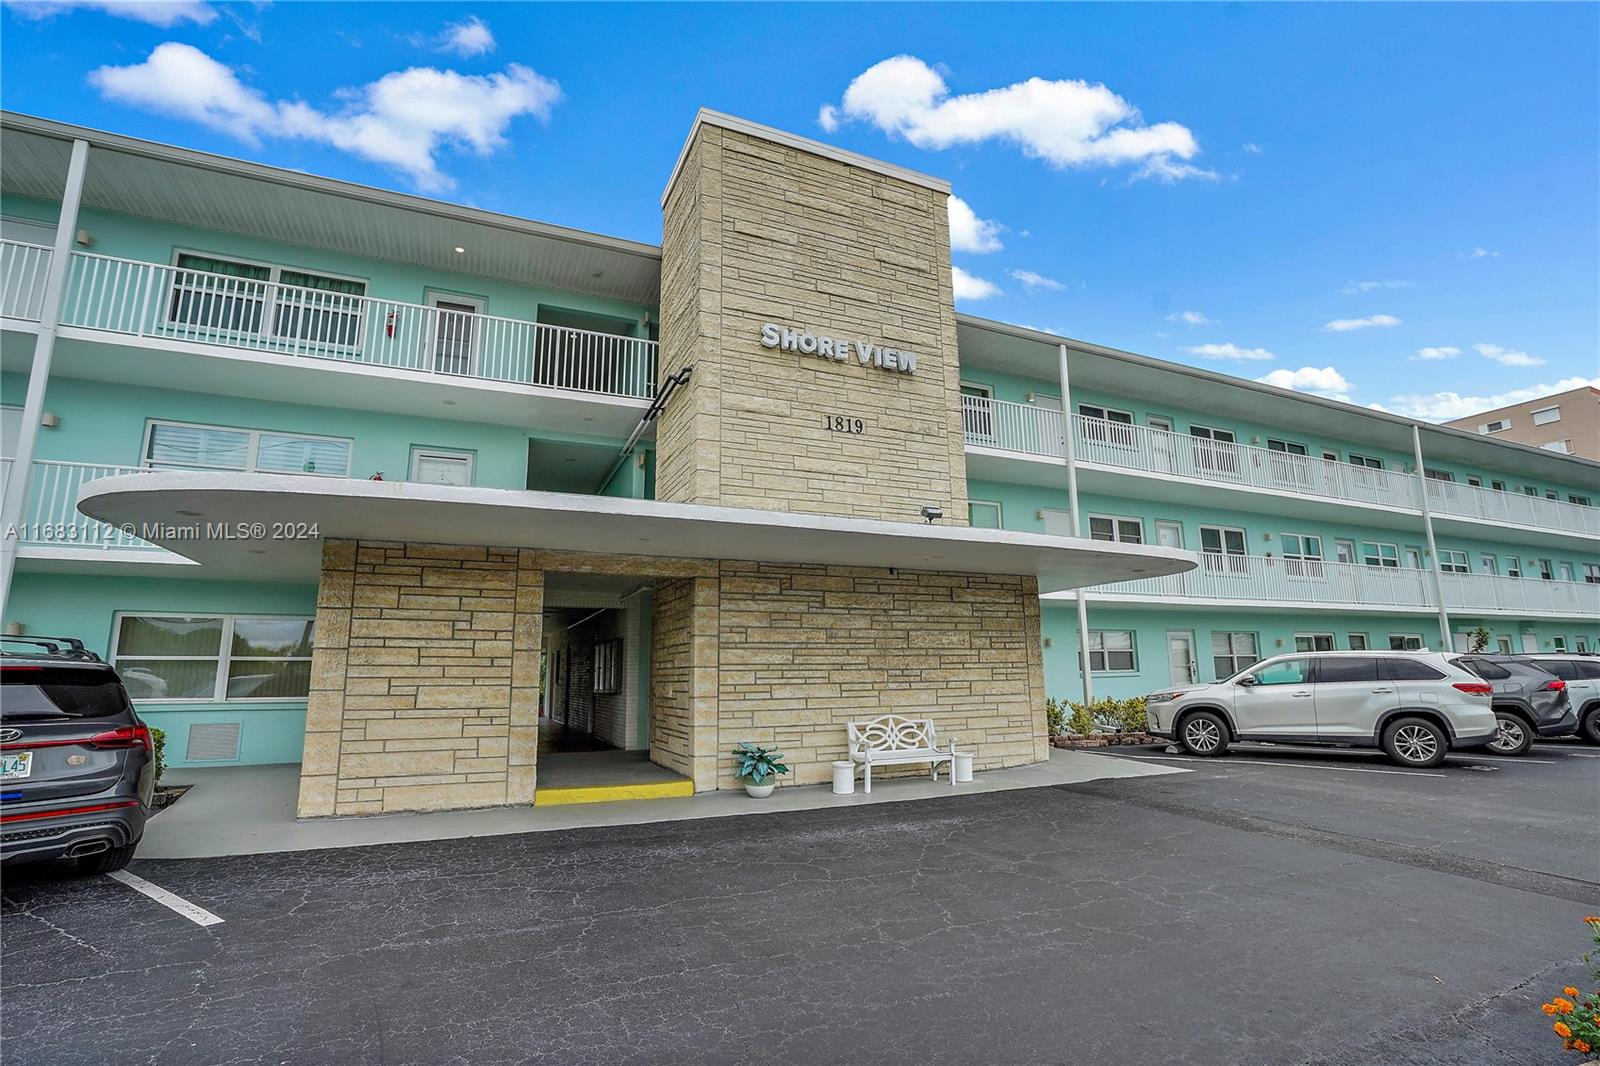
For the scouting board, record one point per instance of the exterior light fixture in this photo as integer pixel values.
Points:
(460, 250)
(931, 513)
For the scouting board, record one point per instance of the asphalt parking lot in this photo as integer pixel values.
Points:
(1272, 907)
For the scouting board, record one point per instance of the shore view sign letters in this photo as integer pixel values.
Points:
(842, 350)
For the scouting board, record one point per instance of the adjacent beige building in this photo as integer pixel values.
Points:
(1566, 422)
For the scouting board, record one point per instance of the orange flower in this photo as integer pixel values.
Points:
(1581, 1045)
(1548, 1008)
(1569, 990)
(1593, 919)
(1562, 1030)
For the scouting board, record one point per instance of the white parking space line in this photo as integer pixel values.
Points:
(197, 915)
(1510, 758)
(1295, 765)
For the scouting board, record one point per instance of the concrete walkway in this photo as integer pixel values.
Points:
(250, 810)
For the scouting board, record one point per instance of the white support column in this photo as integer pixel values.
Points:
(1072, 519)
(1433, 549)
(14, 505)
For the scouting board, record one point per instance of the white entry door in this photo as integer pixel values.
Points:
(1180, 656)
(455, 333)
(1530, 643)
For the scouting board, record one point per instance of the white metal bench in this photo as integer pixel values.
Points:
(892, 740)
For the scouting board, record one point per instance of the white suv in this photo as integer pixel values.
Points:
(1416, 705)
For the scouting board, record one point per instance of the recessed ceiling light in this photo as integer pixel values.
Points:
(190, 514)
(588, 418)
(258, 551)
(598, 274)
(570, 459)
(1138, 570)
(449, 403)
(460, 250)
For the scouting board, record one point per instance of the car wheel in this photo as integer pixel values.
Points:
(1203, 733)
(1589, 726)
(1415, 742)
(1513, 737)
(106, 861)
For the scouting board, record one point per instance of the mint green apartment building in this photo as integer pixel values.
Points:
(218, 324)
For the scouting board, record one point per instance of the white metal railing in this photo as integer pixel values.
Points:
(1473, 501)
(1032, 430)
(153, 300)
(1279, 580)
(52, 518)
(22, 272)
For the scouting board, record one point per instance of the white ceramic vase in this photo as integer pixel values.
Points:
(759, 791)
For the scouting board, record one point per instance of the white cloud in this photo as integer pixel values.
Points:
(163, 13)
(403, 120)
(1193, 318)
(1446, 406)
(1031, 281)
(1066, 123)
(1230, 351)
(1351, 287)
(1507, 356)
(1444, 352)
(968, 232)
(969, 287)
(1482, 253)
(1317, 381)
(1252, 147)
(1344, 325)
(467, 38)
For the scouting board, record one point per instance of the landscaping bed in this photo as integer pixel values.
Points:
(1102, 740)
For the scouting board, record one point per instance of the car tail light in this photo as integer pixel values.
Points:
(1475, 688)
(1555, 686)
(128, 736)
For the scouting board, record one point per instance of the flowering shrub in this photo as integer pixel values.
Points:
(1577, 1014)
(1113, 714)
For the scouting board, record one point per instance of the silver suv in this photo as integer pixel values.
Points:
(1415, 705)
(1581, 672)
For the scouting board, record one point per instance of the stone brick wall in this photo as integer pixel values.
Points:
(683, 679)
(778, 234)
(804, 649)
(424, 679)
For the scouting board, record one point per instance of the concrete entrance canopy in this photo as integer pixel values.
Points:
(207, 517)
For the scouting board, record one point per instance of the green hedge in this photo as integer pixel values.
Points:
(1126, 715)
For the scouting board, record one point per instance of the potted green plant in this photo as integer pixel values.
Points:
(759, 769)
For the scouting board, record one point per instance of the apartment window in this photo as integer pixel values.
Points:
(1374, 553)
(1438, 475)
(1111, 651)
(1498, 486)
(1313, 642)
(1513, 566)
(1215, 449)
(983, 514)
(1332, 457)
(185, 446)
(1366, 461)
(1107, 425)
(1405, 641)
(1581, 501)
(1452, 561)
(217, 294)
(213, 657)
(607, 667)
(1287, 446)
(1222, 549)
(1499, 425)
(1302, 555)
(1529, 490)
(977, 410)
(1161, 422)
(1562, 446)
(1547, 570)
(1558, 643)
(1591, 573)
(1344, 551)
(1552, 494)
(1475, 481)
(1546, 415)
(1232, 652)
(436, 466)
(1111, 527)
(1358, 641)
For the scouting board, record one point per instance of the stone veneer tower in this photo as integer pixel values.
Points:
(760, 227)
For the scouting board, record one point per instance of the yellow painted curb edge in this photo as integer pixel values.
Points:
(549, 797)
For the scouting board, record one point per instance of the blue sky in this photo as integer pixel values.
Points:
(1394, 204)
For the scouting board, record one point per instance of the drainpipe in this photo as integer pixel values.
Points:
(1433, 549)
(14, 505)
(669, 385)
(1072, 518)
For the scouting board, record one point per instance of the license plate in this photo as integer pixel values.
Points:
(16, 766)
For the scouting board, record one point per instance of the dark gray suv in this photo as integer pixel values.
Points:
(1529, 701)
(77, 766)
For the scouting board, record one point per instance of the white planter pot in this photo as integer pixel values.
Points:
(759, 791)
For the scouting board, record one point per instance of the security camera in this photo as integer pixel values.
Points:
(931, 513)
